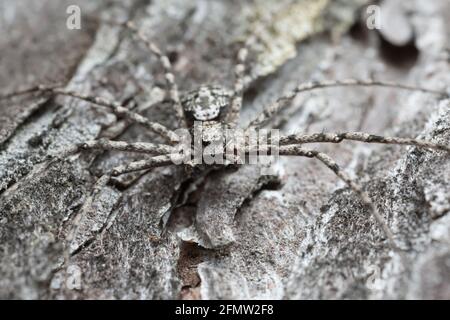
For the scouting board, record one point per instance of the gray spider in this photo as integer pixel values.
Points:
(218, 108)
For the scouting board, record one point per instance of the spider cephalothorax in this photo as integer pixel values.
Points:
(207, 103)
(205, 109)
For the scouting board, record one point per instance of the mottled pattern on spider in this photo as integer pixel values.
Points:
(208, 104)
(219, 108)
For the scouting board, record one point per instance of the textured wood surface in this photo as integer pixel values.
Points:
(306, 238)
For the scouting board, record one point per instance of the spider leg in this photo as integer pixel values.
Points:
(281, 103)
(172, 87)
(141, 147)
(121, 125)
(361, 137)
(153, 162)
(88, 208)
(295, 150)
(21, 92)
(115, 107)
(110, 145)
(238, 89)
(239, 76)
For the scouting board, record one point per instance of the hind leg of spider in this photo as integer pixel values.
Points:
(282, 103)
(88, 208)
(146, 164)
(150, 163)
(114, 106)
(295, 150)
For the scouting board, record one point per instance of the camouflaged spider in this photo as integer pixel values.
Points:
(218, 108)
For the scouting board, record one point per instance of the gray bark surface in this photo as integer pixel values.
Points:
(238, 235)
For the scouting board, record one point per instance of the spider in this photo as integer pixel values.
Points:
(217, 108)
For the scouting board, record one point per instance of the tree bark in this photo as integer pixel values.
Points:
(238, 235)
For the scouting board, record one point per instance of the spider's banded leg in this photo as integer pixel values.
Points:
(157, 161)
(119, 110)
(153, 162)
(238, 89)
(282, 102)
(115, 107)
(172, 87)
(139, 147)
(120, 126)
(39, 88)
(168, 73)
(88, 206)
(331, 164)
(361, 137)
(240, 72)
(85, 210)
